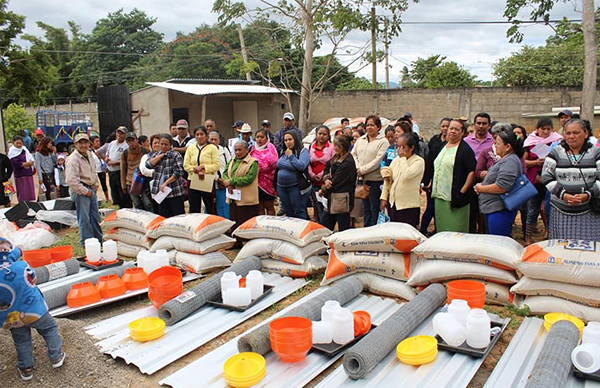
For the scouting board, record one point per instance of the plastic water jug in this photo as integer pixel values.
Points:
(329, 309)
(586, 357)
(229, 280)
(162, 258)
(343, 326)
(591, 333)
(452, 332)
(459, 309)
(255, 281)
(109, 251)
(92, 251)
(322, 332)
(478, 329)
(237, 297)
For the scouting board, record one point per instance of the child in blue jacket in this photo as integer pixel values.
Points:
(22, 307)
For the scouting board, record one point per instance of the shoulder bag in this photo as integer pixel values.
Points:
(362, 190)
(522, 191)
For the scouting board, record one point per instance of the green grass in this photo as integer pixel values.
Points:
(70, 237)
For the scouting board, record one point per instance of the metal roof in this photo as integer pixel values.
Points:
(183, 337)
(449, 370)
(517, 362)
(208, 89)
(279, 374)
(214, 81)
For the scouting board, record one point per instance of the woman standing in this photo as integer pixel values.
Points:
(401, 188)
(321, 151)
(368, 152)
(453, 178)
(168, 172)
(201, 163)
(149, 173)
(101, 166)
(22, 163)
(293, 185)
(499, 179)
(45, 161)
(266, 154)
(6, 171)
(339, 183)
(572, 215)
(544, 135)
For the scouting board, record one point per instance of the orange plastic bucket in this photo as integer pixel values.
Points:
(61, 253)
(164, 284)
(110, 286)
(291, 338)
(83, 294)
(38, 257)
(469, 290)
(362, 322)
(135, 278)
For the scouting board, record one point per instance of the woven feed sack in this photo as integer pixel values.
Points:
(57, 296)
(392, 265)
(294, 230)
(361, 358)
(128, 250)
(187, 303)
(201, 263)
(195, 226)
(435, 271)
(540, 305)
(134, 219)
(567, 261)
(498, 251)
(310, 266)
(379, 285)
(128, 236)
(394, 237)
(58, 270)
(266, 248)
(343, 291)
(553, 365)
(189, 246)
(586, 295)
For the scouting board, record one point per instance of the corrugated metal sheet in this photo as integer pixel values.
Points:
(207, 89)
(114, 109)
(279, 374)
(517, 362)
(82, 275)
(183, 337)
(449, 370)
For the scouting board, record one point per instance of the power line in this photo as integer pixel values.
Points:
(467, 22)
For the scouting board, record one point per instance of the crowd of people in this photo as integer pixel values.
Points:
(379, 174)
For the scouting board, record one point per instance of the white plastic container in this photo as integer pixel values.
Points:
(586, 357)
(237, 297)
(109, 251)
(451, 331)
(322, 332)
(478, 329)
(93, 251)
(162, 258)
(459, 309)
(591, 333)
(343, 326)
(229, 280)
(255, 281)
(141, 258)
(329, 309)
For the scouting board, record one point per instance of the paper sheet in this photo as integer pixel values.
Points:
(322, 200)
(235, 195)
(205, 185)
(541, 150)
(161, 195)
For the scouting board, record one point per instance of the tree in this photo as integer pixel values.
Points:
(11, 25)
(421, 67)
(16, 119)
(541, 10)
(358, 83)
(432, 73)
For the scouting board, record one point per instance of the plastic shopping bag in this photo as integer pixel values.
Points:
(383, 218)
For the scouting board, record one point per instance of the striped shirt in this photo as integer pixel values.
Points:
(563, 173)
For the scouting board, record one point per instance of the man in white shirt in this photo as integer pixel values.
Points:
(113, 160)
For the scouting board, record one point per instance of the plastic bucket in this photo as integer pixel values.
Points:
(135, 278)
(362, 322)
(164, 284)
(291, 338)
(110, 286)
(83, 294)
(38, 257)
(61, 253)
(471, 291)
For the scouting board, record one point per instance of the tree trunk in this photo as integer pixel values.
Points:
(309, 48)
(588, 92)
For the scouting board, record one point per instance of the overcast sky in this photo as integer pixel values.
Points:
(475, 47)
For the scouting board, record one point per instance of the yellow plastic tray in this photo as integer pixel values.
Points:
(244, 370)
(418, 350)
(146, 329)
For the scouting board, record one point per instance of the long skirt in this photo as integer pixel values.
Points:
(25, 188)
(576, 226)
(449, 219)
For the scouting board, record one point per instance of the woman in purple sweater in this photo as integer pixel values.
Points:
(22, 163)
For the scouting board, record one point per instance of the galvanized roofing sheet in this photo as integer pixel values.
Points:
(449, 370)
(279, 374)
(207, 89)
(517, 362)
(183, 337)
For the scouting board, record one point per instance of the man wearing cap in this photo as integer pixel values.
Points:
(266, 125)
(113, 155)
(564, 116)
(180, 143)
(39, 136)
(81, 177)
(130, 160)
(415, 126)
(288, 125)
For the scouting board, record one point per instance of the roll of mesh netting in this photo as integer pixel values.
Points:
(56, 271)
(177, 309)
(57, 296)
(343, 291)
(375, 346)
(553, 365)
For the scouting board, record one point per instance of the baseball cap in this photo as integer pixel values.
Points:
(182, 124)
(130, 135)
(246, 128)
(288, 116)
(39, 131)
(408, 115)
(266, 122)
(81, 136)
(238, 123)
(122, 129)
(565, 112)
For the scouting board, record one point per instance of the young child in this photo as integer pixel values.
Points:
(63, 190)
(22, 307)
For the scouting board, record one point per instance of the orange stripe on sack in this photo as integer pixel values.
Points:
(405, 245)
(298, 274)
(310, 227)
(111, 217)
(248, 224)
(113, 231)
(511, 297)
(335, 267)
(208, 221)
(406, 257)
(286, 260)
(156, 222)
(535, 254)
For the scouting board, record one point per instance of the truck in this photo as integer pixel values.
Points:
(62, 126)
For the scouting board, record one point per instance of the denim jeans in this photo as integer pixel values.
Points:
(46, 327)
(221, 203)
(371, 205)
(293, 201)
(88, 216)
(142, 201)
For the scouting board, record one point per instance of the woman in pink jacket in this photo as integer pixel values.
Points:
(321, 151)
(264, 151)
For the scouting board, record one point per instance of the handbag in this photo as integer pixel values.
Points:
(138, 180)
(339, 203)
(362, 191)
(594, 202)
(303, 180)
(521, 191)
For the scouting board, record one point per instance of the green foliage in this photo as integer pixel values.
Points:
(16, 119)
(433, 73)
(540, 10)
(11, 25)
(358, 83)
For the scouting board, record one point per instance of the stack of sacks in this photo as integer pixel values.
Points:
(381, 254)
(450, 256)
(561, 276)
(193, 240)
(128, 227)
(286, 246)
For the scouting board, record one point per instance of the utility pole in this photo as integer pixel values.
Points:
(244, 52)
(588, 92)
(374, 48)
(387, 63)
